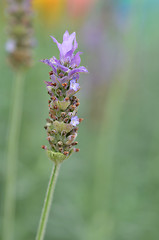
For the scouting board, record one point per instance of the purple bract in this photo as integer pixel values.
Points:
(67, 67)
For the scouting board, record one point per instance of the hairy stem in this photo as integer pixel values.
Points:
(47, 203)
(12, 155)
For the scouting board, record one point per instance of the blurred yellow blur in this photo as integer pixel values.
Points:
(49, 11)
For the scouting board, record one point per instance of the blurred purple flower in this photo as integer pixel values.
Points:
(10, 45)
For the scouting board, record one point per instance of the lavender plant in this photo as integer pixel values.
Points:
(19, 50)
(62, 123)
(20, 32)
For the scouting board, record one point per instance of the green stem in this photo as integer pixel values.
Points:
(11, 158)
(47, 203)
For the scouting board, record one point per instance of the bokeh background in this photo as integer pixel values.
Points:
(110, 189)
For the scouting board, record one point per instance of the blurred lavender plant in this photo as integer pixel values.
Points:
(19, 49)
(101, 37)
(20, 42)
(62, 123)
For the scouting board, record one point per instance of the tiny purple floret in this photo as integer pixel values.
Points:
(74, 121)
(74, 86)
(10, 46)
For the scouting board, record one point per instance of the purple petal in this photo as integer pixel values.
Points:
(74, 87)
(53, 79)
(56, 61)
(63, 68)
(66, 47)
(83, 69)
(76, 75)
(69, 54)
(47, 83)
(66, 35)
(75, 44)
(67, 44)
(58, 64)
(64, 79)
(59, 45)
(72, 37)
(49, 62)
(55, 41)
(76, 59)
(77, 70)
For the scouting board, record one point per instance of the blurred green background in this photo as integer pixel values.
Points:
(109, 190)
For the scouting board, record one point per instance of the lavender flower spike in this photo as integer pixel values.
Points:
(20, 34)
(63, 104)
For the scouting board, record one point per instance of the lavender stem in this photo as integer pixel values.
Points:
(47, 202)
(12, 156)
